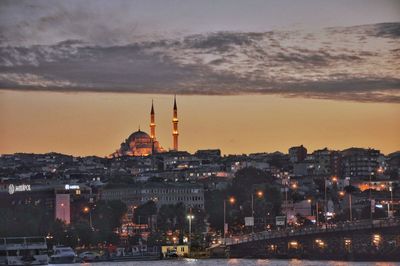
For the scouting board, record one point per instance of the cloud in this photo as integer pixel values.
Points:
(332, 63)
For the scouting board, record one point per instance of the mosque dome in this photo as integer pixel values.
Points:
(140, 143)
(139, 136)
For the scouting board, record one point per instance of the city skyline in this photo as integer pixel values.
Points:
(211, 132)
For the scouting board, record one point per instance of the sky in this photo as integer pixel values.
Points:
(91, 123)
(248, 55)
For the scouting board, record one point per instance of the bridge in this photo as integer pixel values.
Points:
(357, 240)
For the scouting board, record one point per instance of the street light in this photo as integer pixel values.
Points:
(370, 194)
(88, 210)
(62, 206)
(342, 194)
(259, 194)
(232, 200)
(190, 217)
(316, 210)
(390, 206)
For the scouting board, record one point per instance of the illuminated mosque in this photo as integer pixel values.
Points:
(140, 143)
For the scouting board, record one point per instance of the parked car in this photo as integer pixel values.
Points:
(63, 255)
(89, 256)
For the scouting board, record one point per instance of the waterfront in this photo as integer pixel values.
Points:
(242, 262)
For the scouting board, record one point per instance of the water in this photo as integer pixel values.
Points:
(239, 262)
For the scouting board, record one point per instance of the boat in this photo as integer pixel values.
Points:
(23, 251)
(63, 254)
(136, 253)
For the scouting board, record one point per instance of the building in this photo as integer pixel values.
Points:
(179, 250)
(175, 132)
(336, 163)
(322, 162)
(211, 154)
(64, 200)
(191, 195)
(297, 154)
(140, 143)
(360, 163)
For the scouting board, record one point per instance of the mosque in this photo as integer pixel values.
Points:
(140, 143)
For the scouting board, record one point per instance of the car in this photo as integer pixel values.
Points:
(89, 256)
(172, 253)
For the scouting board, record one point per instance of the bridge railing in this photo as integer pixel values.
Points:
(338, 227)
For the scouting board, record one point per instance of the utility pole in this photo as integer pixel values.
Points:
(390, 205)
(252, 211)
(370, 195)
(351, 211)
(224, 220)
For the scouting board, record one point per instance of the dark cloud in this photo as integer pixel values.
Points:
(280, 62)
(388, 30)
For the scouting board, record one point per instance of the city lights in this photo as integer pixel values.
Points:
(320, 243)
(376, 239)
(293, 244)
(232, 200)
(284, 149)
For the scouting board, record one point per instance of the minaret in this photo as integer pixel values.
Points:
(152, 123)
(175, 133)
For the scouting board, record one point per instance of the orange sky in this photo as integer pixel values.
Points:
(96, 123)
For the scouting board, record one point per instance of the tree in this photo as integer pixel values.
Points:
(213, 204)
(145, 211)
(171, 217)
(84, 232)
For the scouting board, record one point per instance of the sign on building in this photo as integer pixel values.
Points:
(249, 221)
(280, 220)
(18, 188)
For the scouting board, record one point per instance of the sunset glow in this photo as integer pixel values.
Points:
(96, 123)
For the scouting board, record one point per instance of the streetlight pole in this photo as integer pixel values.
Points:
(390, 205)
(252, 211)
(316, 210)
(286, 199)
(259, 195)
(190, 217)
(89, 210)
(224, 220)
(351, 211)
(370, 195)
(231, 201)
(325, 200)
(90, 219)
